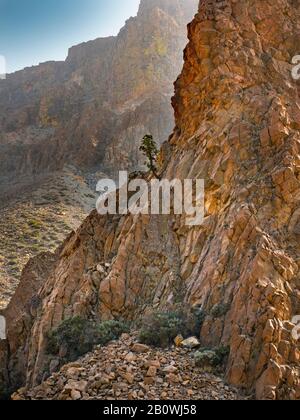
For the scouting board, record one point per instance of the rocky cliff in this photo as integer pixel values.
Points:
(89, 113)
(237, 114)
(92, 109)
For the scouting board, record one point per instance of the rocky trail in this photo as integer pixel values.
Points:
(125, 369)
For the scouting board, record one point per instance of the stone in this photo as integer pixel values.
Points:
(101, 269)
(153, 363)
(178, 340)
(149, 380)
(191, 343)
(129, 378)
(75, 395)
(140, 348)
(130, 357)
(173, 378)
(100, 385)
(152, 372)
(164, 395)
(80, 386)
(170, 369)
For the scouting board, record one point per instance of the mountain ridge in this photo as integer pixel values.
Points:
(88, 113)
(73, 105)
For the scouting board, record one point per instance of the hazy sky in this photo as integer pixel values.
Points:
(34, 31)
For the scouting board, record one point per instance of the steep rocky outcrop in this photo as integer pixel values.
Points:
(21, 311)
(89, 112)
(237, 114)
(92, 109)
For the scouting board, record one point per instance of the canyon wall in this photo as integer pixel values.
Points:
(93, 109)
(63, 123)
(237, 114)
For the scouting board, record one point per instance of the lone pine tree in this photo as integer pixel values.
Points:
(150, 151)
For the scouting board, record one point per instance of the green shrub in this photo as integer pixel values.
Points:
(110, 330)
(35, 224)
(222, 353)
(220, 310)
(159, 329)
(211, 358)
(5, 392)
(206, 359)
(193, 320)
(77, 336)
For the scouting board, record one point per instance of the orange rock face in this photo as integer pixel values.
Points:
(237, 126)
(93, 109)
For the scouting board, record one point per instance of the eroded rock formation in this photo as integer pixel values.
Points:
(93, 109)
(89, 112)
(237, 114)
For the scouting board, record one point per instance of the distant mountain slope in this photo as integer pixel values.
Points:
(39, 220)
(93, 108)
(90, 112)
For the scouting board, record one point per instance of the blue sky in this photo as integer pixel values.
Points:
(34, 31)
